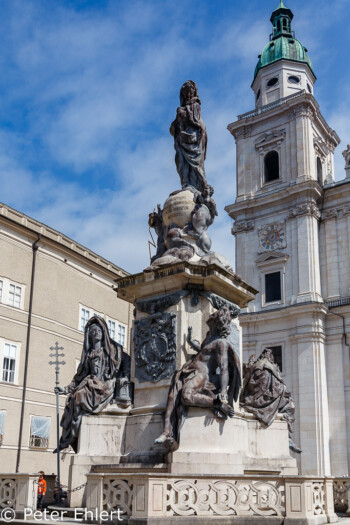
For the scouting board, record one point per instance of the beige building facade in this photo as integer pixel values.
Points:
(292, 228)
(49, 287)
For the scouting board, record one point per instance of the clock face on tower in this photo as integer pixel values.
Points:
(272, 237)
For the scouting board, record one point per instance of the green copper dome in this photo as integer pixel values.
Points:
(282, 45)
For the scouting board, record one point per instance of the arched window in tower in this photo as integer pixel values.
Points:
(271, 166)
(284, 24)
(319, 171)
(278, 26)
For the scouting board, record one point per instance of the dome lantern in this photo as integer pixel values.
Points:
(284, 64)
(281, 20)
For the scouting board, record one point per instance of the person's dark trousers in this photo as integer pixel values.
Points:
(39, 504)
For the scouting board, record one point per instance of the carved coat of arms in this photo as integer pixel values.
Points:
(155, 347)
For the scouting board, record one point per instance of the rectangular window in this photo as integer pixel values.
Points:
(9, 363)
(111, 329)
(84, 317)
(2, 425)
(121, 335)
(273, 291)
(1, 288)
(277, 355)
(39, 432)
(14, 298)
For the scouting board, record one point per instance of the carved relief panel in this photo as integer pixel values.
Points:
(155, 347)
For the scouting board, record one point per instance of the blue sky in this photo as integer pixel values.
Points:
(88, 90)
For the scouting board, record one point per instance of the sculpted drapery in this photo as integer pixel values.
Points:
(190, 139)
(265, 393)
(93, 386)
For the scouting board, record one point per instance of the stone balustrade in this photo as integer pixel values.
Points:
(160, 495)
(18, 492)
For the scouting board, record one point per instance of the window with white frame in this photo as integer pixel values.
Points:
(2, 425)
(39, 431)
(11, 293)
(271, 166)
(273, 290)
(117, 331)
(111, 328)
(9, 356)
(84, 317)
(273, 268)
(121, 334)
(14, 295)
(85, 313)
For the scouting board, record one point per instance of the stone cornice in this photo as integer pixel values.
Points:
(303, 105)
(28, 226)
(308, 191)
(330, 214)
(339, 189)
(284, 312)
(180, 276)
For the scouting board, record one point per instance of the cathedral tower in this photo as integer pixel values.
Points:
(285, 198)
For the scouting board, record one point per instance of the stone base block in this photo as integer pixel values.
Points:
(101, 442)
(103, 434)
(237, 446)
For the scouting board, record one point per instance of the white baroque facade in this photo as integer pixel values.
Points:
(292, 229)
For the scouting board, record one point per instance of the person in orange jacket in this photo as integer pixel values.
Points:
(41, 489)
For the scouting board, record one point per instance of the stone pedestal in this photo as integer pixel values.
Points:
(234, 447)
(169, 300)
(101, 442)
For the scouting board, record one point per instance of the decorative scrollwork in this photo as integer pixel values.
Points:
(318, 498)
(225, 498)
(266, 498)
(117, 494)
(7, 493)
(242, 226)
(308, 208)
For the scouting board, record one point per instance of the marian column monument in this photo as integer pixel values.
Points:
(205, 435)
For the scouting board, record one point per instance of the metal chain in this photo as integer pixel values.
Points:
(77, 488)
(67, 490)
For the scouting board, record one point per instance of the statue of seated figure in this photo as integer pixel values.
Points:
(264, 392)
(93, 386)
(210, 379)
